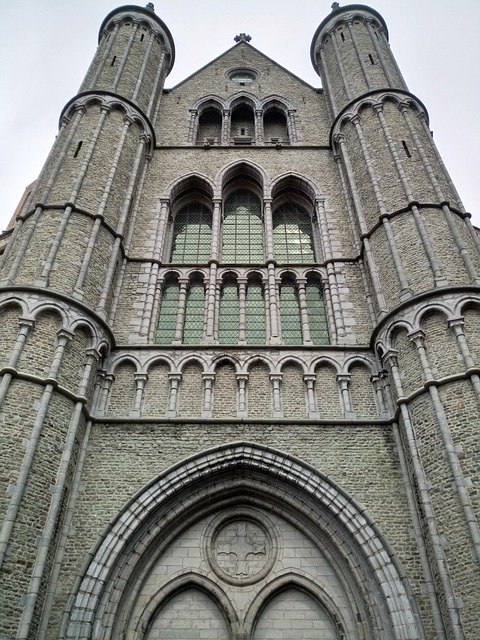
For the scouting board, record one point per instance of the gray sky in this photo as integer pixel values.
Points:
(47, 45)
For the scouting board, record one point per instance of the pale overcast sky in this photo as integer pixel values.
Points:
(47, 45)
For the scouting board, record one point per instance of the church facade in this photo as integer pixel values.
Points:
(240, 355)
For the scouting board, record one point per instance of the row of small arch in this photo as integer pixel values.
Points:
(317, 275)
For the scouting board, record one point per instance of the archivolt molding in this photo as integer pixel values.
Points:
(282, 479)
(241, 168)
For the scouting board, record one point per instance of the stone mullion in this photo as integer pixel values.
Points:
(309, 381)
(360, 59)
(26, 466)
(40, 206)
(99, 216)
(242, 395)
(457, 326)
(406, 291)
(377, 387)
(226, 126)
(344, 383)
(155, 307)
(372, 267)
(104, 395)
(211, 303)
(156, 83)
(329, 311)
(242, 310)
(59, 236)
(126, 53)
(302, 300)
(216, 229)
(467, 261)
(192, 126)
(26, 325)
(148, 315)
(337, 311)
(459, 480)
(55, 503)
(105, 56)
(330, 95)
(140, 383)
(64, 535)
(141, 74)
(175, 379)
(182, 303)
(121, 224)
(275, 383)
(259, 132)
(343, 75)
(208, 381)
(425, 501)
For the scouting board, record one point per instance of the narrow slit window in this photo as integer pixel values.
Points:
(372, 61)
(142, 37)
(77, 150)
(342, 36)
(406, 149)
(113, 61)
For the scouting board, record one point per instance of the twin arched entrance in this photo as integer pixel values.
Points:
(242, 543)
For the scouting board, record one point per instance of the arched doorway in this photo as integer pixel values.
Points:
(242, 542)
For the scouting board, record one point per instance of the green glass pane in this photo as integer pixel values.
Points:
(194, 314)
(290, 315)
(255, 314)
(316, 314)
(292, 234)
(192, 234)
(242, 229)
(229, 311)
(168, 314)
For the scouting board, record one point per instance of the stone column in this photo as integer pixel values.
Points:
(226, 126)
(344, 382)
(140, 382)
(275, 381)
(242, 310)
(208, 380)
(310, 381)
(175, 379)
(302, 300)
(242, 379)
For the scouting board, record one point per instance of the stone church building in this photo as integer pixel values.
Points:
(240, 356)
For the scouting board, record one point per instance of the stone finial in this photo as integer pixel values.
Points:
(335, 6)
(242, 37)
(150, 6)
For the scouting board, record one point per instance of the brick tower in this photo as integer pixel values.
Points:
(240, 355)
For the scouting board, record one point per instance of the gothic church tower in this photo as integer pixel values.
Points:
(240, 355)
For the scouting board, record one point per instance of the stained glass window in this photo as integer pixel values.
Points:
(242, 229)
(255, 313)
(290, 314)
(316, 313)
(194, 313)
(168, 313)
(192, 234)
(229, 311)
(292, 234)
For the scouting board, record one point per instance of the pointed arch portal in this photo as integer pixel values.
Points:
(244, 542)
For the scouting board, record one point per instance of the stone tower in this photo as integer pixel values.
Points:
(240, 355)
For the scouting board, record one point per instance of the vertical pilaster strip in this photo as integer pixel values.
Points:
(341, 68)
(259, 133)
(216, 229)
(344, 383)
(156, 83)
(291, 126)
(359, 56)
(380, 56)
(457, 327)
(140, 383)
(126, 54)
(143, 67)
(25, 468)
(330, 95)
(182, 303)
(438, 192)
(309, 381)
(226, 125)
(208, 380)
(26, 325)
(426, 503)
(242, 379)
(175, 379)
(275, 382)
(106, 55)
(192, 126)
(55, 503)
(378, 290)
(211, 302)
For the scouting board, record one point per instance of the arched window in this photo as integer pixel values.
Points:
(192, 234)
(290, 312)
(255, 313)
(167, 320)
(316, 312)
(209, 127)
(275, 126)
(242, 228)
(292, 234)
(229, 313)
(194, 313)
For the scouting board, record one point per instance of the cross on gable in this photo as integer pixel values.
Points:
(242, 37)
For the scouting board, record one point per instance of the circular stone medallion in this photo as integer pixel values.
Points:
(241, 550)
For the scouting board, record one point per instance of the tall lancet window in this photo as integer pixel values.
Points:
(290, 312)
(192, 234)
(242, 228)
(255, 321)
(317, 318)
(292, 234)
